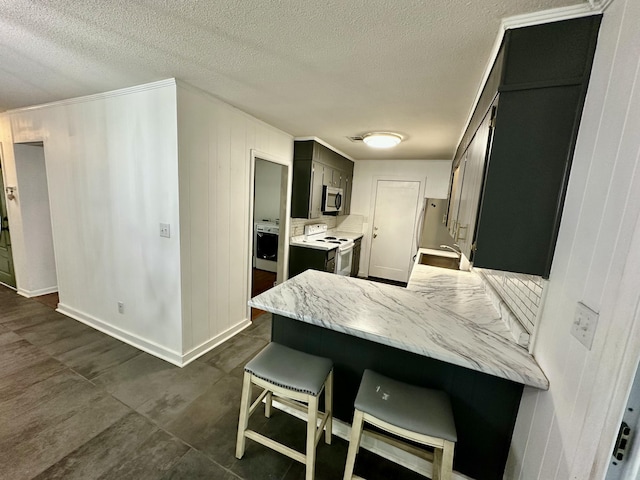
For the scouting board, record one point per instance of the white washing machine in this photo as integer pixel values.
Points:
(265, 246)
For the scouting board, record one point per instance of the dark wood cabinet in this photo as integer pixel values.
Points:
(540, 81)
(315, 165)
(305, 258)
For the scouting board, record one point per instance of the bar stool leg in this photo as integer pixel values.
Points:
(354, 444)
(312, 428)
(267, 404)
(446, 466)
(437, 464)
(328, 408)
(243, 421)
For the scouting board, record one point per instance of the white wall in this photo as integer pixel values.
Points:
(215, 143)
(433, 175)
(267, 190)
(33, 200)
(567, 432)
(112, 170)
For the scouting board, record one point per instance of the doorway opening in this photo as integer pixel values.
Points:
(269, 186)
(7, 271)
(35, 211)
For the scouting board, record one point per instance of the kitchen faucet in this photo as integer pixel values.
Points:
(457, 251)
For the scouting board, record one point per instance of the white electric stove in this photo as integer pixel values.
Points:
(317, 236)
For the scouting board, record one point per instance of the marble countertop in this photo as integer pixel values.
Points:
(442, 314)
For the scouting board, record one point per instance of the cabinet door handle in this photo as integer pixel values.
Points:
(375, 235)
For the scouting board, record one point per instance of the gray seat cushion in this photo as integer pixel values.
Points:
(289, 368)
(416, 409)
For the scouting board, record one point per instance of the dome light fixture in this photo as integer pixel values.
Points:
(382, 139)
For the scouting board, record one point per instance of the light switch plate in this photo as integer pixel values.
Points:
(165, 230)
(584, 325)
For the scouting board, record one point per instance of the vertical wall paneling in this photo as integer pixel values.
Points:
(217, 159)
(238, 228)
(223, 222)
(208, 317)
(111, 162)
(568, 431)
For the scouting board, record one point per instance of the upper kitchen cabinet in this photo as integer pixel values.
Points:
(469, 193)
(315, 166)
(516, 154)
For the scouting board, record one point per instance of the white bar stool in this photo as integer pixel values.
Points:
(296, 378)
(413, 413)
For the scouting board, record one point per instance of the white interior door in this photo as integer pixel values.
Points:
(393, 229)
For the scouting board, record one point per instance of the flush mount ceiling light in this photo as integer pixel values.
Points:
(382, 139)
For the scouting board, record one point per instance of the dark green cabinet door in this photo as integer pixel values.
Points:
(526, 178)
(7, 275)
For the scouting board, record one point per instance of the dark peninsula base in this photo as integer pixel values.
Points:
(485, 407)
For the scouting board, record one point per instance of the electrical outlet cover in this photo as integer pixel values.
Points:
(584, 325)
(165, 230)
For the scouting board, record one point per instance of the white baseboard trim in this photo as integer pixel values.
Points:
(9, 286)
(37, 293)
(145, 345)
(407, 460)
(212, 343)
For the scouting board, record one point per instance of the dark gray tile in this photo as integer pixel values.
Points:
(31, 456)
(104, 452)
(261, 463)
(196, 466)
(260, 328)
(7, 337)
(12, 310)
(180, 391)
(156, 387)
(17, 382)
(194, 424)
(97, 357)
(23, 320)
(234, 353)
(152, 460)
(72, 341)
(45, 404)
(220, 443)
(55, 328)
(17, 355)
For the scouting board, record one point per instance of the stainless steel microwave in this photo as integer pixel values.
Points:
(331, 199)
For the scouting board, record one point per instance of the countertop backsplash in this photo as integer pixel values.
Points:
(344, 223)
(523, 294)
(297, 224)
(350, 223)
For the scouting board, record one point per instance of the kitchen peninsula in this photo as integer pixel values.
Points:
(440, 332)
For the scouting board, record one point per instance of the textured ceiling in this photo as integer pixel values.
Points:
(324, 68)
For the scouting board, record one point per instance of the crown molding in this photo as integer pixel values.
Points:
(98, 96)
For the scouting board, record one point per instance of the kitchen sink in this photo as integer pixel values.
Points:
(434, 260)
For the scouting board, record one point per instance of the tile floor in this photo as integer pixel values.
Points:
(78, 404)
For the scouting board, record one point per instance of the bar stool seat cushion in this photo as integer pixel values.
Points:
(291, 369)
(416, 409)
